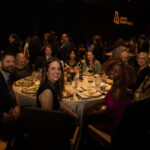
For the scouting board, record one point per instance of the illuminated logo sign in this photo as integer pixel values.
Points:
(121, 20)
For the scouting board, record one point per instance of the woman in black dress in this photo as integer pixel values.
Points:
(49, 95)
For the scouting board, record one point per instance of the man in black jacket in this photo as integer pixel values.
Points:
(65, 47)
(9, 110)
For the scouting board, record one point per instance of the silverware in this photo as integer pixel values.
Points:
(78, 97)
(83, 88)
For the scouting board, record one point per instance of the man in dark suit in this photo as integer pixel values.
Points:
(66, 47)
(9, 111)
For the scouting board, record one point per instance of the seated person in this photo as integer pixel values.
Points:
(0, 63)
(21, 69)
(49, 95)
(91, 64)
(9, 110)
(142, 71)
(48, 52)
(143, 91)
(125, 57)
(72, 64)
(73, 60)
(108, 113)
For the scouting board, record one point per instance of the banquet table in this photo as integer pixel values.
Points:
(75, 103)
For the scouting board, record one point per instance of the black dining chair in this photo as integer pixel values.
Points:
(132, 132)
(49, 129)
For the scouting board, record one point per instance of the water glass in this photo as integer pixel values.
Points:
(75, 83)
(98, 81)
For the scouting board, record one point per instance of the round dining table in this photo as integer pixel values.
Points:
(75, 101)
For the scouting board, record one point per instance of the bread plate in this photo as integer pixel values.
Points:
(24, 83)
(31, 78)
(89, 94)
(30, 90)
(86, 73)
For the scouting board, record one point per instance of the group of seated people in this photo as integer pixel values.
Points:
(129, 85)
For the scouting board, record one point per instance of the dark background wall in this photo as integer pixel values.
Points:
(80, 18)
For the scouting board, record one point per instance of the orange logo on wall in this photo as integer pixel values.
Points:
(121, 20)
(116, 18)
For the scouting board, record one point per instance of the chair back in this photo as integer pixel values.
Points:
(48, 129)
(132, 132)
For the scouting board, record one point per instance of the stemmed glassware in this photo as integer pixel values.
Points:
(90, 80)
(35, 76)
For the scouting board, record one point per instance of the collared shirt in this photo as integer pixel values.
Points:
(9, 85)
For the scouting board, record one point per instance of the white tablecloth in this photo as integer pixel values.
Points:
(75, 104)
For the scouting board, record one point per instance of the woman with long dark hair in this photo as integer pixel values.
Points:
(91, 64)
(73, 60)
(107, 115)
(49, 95)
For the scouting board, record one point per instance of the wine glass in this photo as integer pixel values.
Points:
(91, 71)
(35, 76)
(75, 83)
(39, 76)
(90, 80)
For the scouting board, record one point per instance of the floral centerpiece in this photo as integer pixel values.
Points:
(71, 71)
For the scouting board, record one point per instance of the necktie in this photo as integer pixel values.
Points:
(10, 89)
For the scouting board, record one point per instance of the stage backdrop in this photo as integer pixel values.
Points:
(80, 18)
